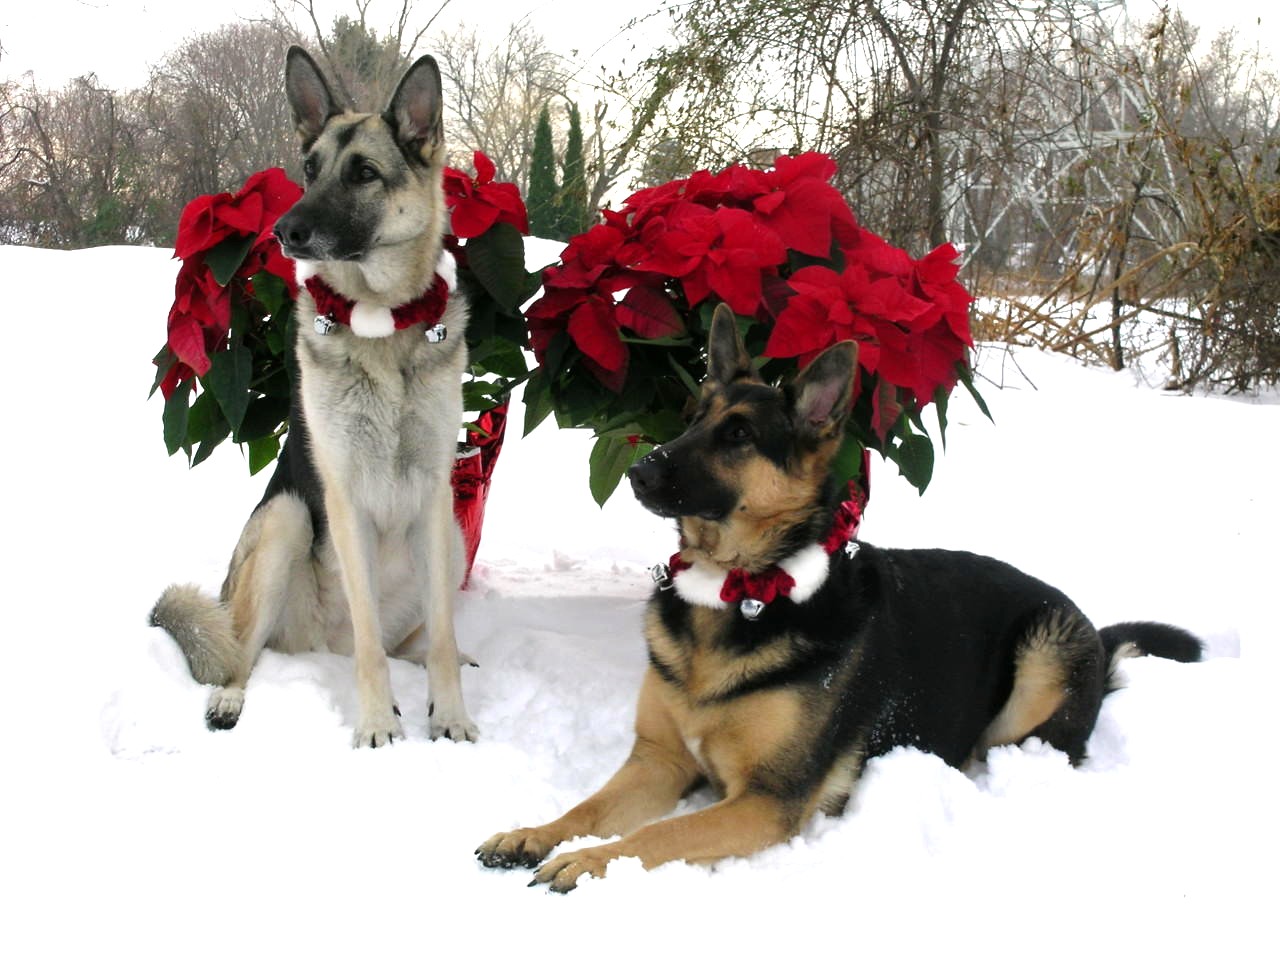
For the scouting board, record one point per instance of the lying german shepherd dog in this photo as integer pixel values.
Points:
(354, 547)
(780, 702)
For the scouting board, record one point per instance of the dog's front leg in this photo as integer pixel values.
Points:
(658, 772)
(354, 541)
(446, 712)
(734, 827)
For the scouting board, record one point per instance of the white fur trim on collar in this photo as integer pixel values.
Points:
(808, 568)
(304, 270)
(371, 320)
(448, 268)
(701, 583)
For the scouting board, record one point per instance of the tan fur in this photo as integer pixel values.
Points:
(773, 501)
(1039, 683)
(707, 672)
(832, 797)
(202, 628)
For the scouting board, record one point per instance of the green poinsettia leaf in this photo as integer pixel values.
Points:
(271, 292)
(221, 430)
(537, 401)
(262, 452)
(164, 361)
(847, 464)
(966, 377)
(942, 397)
(610, 459)
(202, 419)
(914, 457)
(264, 417)
(176, 411)
(500, 357)
(481, 395)
(230, 374)
(496, 257)
(225, 259)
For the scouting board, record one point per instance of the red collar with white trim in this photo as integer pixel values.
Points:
(333, 307)
(797, 577)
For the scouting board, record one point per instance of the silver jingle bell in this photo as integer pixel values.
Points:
(661, 575)
(751, 608)
(437, 333)
(851, 549)
(324, 324)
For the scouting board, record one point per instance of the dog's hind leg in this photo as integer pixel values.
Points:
(447, 713)
(270, 574)
(1059, 681)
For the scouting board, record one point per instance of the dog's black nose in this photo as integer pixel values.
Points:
(292, 233)
(645, 475)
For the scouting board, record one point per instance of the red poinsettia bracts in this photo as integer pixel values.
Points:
(207, 221)
(750, 238)
(223, 223)
(478, 202)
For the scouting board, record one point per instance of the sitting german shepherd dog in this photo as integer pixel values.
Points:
(354, 547)
(844, 651)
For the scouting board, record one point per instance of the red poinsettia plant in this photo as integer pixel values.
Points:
(225, 369)
(620, 332)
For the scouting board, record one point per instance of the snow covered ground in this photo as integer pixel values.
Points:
(131, 828)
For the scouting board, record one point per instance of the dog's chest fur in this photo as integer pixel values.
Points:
(384, 412)
(728, 685)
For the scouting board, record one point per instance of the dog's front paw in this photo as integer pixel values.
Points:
(380, 730)
(526, 847)
(563, 873)
(454, 725)
(223, 711)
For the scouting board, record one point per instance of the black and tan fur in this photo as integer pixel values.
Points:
(948, 652)
(354, 547)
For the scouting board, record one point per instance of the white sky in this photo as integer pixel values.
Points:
(119, 39)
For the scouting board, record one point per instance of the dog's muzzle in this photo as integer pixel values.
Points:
(668, 492)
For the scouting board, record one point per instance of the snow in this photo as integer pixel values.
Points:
(131, 826)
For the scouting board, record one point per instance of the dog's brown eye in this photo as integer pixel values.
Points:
(364, 172)
(310, 168)
(738, 433)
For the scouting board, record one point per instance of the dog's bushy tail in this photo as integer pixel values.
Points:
(1140, 638)
(202, 627)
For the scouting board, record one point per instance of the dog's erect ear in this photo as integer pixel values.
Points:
(822, 391)
(309, 95)
(727, 358)
(416, 110)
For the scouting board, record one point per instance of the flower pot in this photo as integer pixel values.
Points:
(472, 472)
